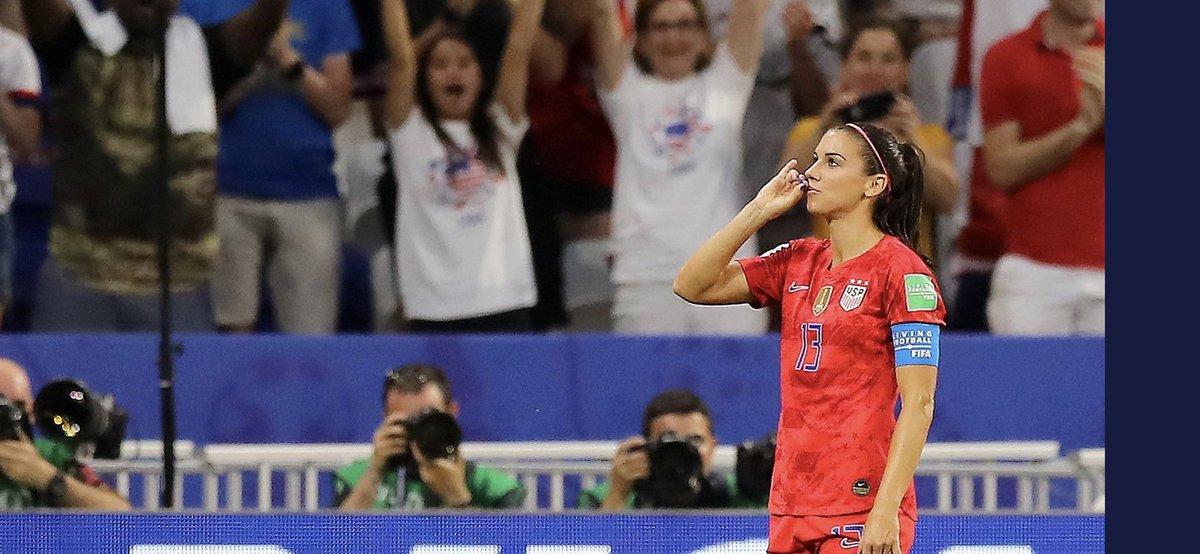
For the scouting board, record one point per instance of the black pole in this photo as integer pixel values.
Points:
(166, 357)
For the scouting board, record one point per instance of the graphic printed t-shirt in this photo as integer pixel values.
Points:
(462, 244)
(678, 164)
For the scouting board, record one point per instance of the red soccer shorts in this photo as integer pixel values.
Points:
(826, 534)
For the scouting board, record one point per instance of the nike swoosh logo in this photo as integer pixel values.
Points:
(796, 288)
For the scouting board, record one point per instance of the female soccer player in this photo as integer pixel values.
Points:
(862, 315)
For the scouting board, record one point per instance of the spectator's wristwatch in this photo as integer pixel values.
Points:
(56, 490)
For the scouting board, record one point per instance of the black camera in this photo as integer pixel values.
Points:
(755, 462)
(14, 421)
(870, 107)
(68, 411)
(434, 432)
(676, 472)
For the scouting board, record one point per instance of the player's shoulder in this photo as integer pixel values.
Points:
(798, 247)
(901, 258)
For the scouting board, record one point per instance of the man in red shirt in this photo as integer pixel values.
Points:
(1042, 103)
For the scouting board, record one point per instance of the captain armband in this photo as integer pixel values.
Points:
(916, 343)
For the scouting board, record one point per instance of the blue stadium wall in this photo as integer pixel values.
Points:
(557, 387)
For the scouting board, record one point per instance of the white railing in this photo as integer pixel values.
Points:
(961, 467)
(1090, 462)
(290, 477)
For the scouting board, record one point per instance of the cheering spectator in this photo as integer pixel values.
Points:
(875, 67)
(676, 105)
(980, 241)
(278, 207)
(462, 244)
(1042, 103)
(566, 166)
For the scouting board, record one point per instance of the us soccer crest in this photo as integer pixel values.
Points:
(853, 296)
(822, 299)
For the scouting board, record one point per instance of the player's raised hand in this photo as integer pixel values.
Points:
(782, 192)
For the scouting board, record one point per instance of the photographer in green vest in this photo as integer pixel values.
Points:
(415, 463)
(41, 473)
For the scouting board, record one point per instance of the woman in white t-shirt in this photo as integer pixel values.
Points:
(675, 103)
(462, 246)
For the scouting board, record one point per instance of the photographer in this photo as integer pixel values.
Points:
(402, 472)
(668, 466)
(871, 88)
(42, 473)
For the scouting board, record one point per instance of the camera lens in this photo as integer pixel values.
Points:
(67, 410)
(435, 433)
(755, 463)
(676, 471)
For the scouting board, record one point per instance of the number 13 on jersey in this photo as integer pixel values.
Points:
(810, 347)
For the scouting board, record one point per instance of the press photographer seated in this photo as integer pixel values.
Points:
(47, 473)
(415, 462)
(669, 465)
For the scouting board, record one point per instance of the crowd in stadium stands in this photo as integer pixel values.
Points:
(382, 166)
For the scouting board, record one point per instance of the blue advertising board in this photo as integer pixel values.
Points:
(46, 533)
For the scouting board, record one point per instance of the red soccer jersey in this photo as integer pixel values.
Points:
(837, 372)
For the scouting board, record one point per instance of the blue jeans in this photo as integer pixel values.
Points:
(64, 305)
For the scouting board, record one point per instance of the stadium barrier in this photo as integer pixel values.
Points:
(1091, 463)
(966, 477)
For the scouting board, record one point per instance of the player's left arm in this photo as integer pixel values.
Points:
(917, 353)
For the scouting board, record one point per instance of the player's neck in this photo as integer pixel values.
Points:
(851, 239)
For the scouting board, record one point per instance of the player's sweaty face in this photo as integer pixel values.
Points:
(838, 176)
